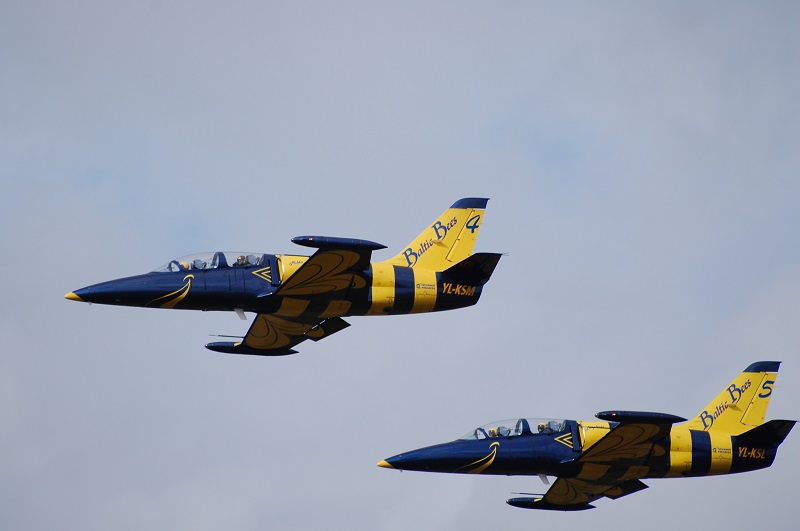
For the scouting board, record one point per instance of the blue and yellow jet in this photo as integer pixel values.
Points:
(610, 458)
(301, 297)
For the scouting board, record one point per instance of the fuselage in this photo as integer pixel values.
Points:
(517, 449)
(211, 284)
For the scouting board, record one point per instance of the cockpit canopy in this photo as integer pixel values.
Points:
(515, 427)
(212, 261)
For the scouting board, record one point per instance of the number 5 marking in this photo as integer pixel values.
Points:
(767, 386)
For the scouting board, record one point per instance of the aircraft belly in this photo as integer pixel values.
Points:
(521, 466)
(531, 456)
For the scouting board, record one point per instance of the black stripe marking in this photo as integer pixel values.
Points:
(362, 302)
(701, 453)
(403, 289)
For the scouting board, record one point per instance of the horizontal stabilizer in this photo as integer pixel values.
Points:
(639, 417)
(539, 503)
(475, 269)
(329, 242)
(769, 434)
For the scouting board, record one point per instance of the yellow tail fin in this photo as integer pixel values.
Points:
(448, 240)
(743, 404)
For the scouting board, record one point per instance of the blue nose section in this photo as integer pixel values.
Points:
(113, 292)
(131, 291)
(420, 460)
(459, 456)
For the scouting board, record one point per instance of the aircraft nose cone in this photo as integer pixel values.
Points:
(130, 291)
(414, 460)
(456, 456)
(385, 464)
(77, 295)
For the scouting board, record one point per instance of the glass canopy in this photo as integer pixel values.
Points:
(515, 427)
(212, 261)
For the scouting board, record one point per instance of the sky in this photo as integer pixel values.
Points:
(641, 160)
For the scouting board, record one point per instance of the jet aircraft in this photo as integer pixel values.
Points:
(301, 297)
(593, 459)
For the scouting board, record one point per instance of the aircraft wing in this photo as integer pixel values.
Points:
(612, 466)
(271, 335)
(333, 269)
(311, 301)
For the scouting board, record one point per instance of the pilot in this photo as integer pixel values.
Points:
(242, 261)
(492, 432)
(543, 428)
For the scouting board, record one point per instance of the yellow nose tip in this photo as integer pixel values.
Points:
(384, 464)
(71, 296)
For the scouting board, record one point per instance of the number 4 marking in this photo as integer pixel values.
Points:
(472, 224)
